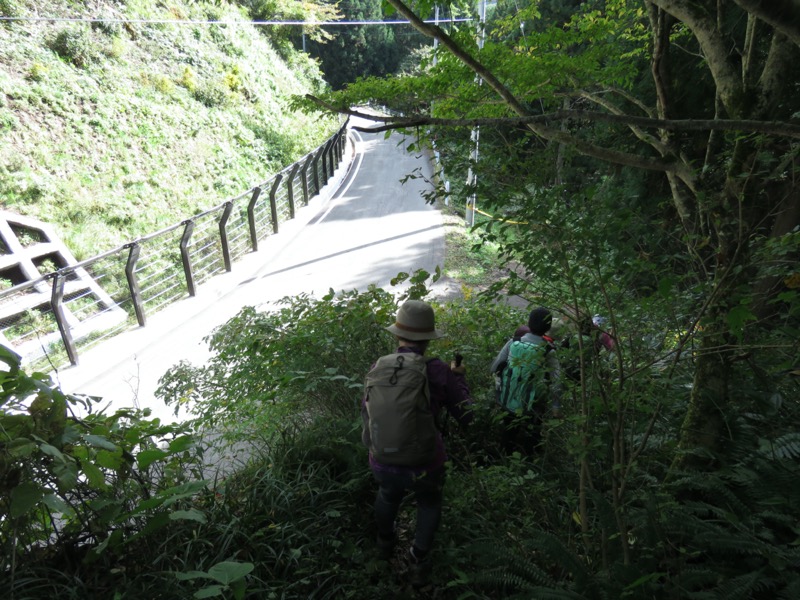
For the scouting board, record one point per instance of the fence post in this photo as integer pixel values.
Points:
(315, 170)
(340, 146)
(185, 258)
(57, 304)
(290, 189)
(327, 161)
(223, 235)
(333, 162)
(344, 133)
(304, 178)
(133, 283)
(273, 203)
(251, 217)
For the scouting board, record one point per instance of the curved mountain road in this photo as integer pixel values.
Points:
(363, 231)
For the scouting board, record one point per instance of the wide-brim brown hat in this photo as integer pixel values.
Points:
(415, 321)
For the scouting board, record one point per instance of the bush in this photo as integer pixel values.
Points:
(37, 72)
(116, 48)
(188, 79)
(296, 520)
(211, 94)
(75, 45)
(163, 84)
(8, 8)
(80, 486)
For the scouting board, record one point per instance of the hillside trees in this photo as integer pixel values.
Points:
(353, 51)
(680, 115)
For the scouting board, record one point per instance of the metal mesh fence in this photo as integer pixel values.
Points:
(97, 300)
(28, 325)
(238, 228)
(262, 213)
(105, 295)
(159, 271)
(205, 248)
(282, 202)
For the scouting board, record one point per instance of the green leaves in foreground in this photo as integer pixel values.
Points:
(229, 575)
(97, 480)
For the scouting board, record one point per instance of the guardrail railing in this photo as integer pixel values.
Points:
(49, 320)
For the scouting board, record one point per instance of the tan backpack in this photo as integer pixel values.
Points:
(402, 427)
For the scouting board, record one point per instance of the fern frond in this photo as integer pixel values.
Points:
(508, 568)
(705, 510)
(542, 593)
(555, 550)
(787, 446)
(713, 488)
(696, 578)
(743, 587)
(733, 543)
(792, 589)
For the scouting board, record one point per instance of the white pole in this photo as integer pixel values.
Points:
(435, 40)
(472, 177)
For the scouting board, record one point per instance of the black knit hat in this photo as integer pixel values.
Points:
(540, 320)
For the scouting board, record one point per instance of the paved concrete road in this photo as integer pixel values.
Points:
(363, 231)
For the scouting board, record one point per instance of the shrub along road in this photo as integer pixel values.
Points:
(363, 229)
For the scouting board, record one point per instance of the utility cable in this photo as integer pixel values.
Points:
(201, 22)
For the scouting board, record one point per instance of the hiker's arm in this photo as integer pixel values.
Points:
(501, 358)
(365, 437)
(459, 400)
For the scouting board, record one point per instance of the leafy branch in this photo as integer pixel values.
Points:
(394, 122)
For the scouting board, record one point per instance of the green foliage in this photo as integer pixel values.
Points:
(76, 45)
(229, 576)
(9, 8)
(699, 289)
(116, 48)
(265, 358)
(89, 485)
(38, 72)
(590, 225)
(211, 94)
(189, 79)
(296, 518)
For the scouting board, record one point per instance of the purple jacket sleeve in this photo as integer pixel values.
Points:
(449, 391)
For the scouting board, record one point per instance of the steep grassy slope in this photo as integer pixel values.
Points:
(110, 130)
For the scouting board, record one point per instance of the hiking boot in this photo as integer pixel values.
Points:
(419, 569)
(385, 546)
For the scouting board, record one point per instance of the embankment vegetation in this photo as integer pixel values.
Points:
(112, 129)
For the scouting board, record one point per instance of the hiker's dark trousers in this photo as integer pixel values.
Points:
(427, 489)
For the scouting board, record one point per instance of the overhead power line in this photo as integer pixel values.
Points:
(201, 22)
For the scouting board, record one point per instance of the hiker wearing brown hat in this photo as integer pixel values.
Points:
(405, 393)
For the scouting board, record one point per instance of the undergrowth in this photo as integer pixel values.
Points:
(295, 520)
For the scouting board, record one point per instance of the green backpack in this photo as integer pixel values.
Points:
(402, 427)
(524, 381)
